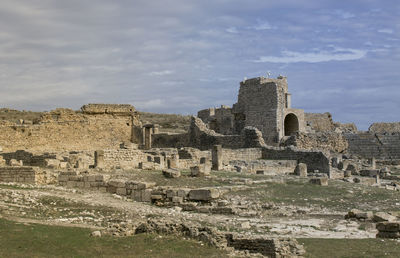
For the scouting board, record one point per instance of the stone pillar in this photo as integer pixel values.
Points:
(377, 179)
(216, 154)
(173, 161)
(99, 159)
(147, 138)
(373, 163)
(288, 100)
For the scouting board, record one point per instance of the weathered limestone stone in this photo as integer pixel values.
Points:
(16, 163)
(369, 172)
(319, 181)
(216, 154)
(200, 170)
(203, 194)
(301, 170)
(171, 173)
(383, 216)
(360, 215)
(388, 229)
(99, 159)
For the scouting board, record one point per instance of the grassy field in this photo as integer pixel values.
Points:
(363, 248)
(34, 240)
(340, 196)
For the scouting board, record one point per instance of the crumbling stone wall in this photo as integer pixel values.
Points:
(123, 158)
(314, 159)
(327, 141)
(28, 175)
(203, 138)
(384, 128)
(320, 122)
(378, 145)
(263, 103)
(64, 129)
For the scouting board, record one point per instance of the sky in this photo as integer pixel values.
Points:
(181, 56)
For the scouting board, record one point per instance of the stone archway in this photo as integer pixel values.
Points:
(291, 124)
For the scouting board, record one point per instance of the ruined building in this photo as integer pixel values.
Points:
(263, 103)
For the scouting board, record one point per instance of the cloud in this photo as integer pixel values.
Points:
(387, 31)
(232, 30)
(161, 73)
(262, 25)
(337, 54)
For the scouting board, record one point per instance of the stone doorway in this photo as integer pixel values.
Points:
(291, 124)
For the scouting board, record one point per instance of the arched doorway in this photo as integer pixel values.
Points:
(291, 124)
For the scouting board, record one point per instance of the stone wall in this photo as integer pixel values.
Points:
(64, 129)
(247, 154)
(327, 141)
(203, 138)
(320, 122)
(368, 145)
(384, 128)
(123, 158)
(28, 175)
(315, 160)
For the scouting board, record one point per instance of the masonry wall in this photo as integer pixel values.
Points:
(315, 160)
(63, 130)
(28, 175)
(320, 122)
(124, 158)
(258, 101)
(203, 138)
(378, 145)
(385, 128)
(247, 154)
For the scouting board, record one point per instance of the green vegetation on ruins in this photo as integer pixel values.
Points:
(35, 240)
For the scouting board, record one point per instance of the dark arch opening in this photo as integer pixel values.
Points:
(291, 124)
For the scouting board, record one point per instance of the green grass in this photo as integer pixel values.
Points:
(34, 240)
(340, 196)
(363, 248)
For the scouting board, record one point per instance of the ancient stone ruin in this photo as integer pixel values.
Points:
(108, 149)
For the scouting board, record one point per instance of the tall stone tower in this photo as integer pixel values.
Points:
(265, 103)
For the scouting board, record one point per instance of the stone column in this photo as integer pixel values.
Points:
(216, 154)
(99, 159)
(147, 138)
(373, 163)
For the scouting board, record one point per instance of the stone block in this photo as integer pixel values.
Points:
(146, 195)
(121, 191)
(177, 199)
(171, 193)
(383, 216)
(63, 165)
(116, 183)
(388, 226)
(200, 171)
(323, 181)
(369, 172)
(71, 184)
(203, 194)
(136, 195)
(145, 185)
(99, 178)
(103, 189)
(183, 192)
(301, 170)
(63, 178)
(171, 173)
(156, 197)
(80, 184)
